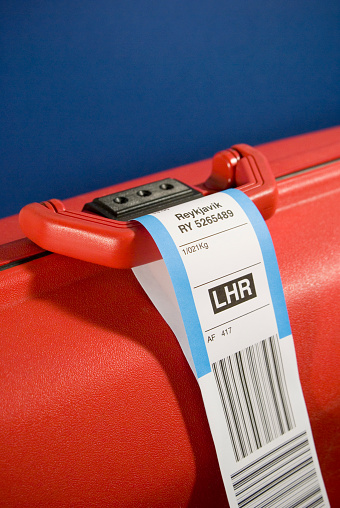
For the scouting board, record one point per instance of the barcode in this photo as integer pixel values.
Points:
(254, 396)
(284, 478)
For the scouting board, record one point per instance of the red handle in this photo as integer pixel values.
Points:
(251, 174)
(126, 244)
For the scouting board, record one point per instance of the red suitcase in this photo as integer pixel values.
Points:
(101, 409)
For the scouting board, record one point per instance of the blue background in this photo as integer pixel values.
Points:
(95, 92)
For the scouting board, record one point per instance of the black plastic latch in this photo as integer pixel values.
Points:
(152, 197)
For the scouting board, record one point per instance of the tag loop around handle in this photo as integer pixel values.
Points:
(127, 244)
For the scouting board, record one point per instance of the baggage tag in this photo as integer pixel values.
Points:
(219, 289)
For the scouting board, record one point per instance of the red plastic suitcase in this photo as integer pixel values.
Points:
(98, 405)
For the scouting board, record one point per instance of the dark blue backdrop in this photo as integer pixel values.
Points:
(99, 91)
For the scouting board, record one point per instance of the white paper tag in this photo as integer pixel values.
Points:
(220, 291)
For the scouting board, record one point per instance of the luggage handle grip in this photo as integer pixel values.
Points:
(126, 244)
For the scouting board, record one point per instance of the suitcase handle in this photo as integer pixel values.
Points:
(119, 244)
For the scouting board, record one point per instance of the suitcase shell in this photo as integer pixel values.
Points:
(98, 405)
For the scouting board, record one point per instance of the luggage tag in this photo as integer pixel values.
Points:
(218, 287)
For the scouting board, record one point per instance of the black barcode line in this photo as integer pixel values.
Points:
(291, 494)
(241, 422)
(250, 410)
(271, 457)
(281, 463)
(299, 491)
(278, 366)
(257, 391)
(278, 369)
(269, 371)
(254, 396)
(262, 369)
(225, 410)
(283, 478)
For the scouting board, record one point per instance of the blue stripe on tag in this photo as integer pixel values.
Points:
(269, 257)
(182, 289)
